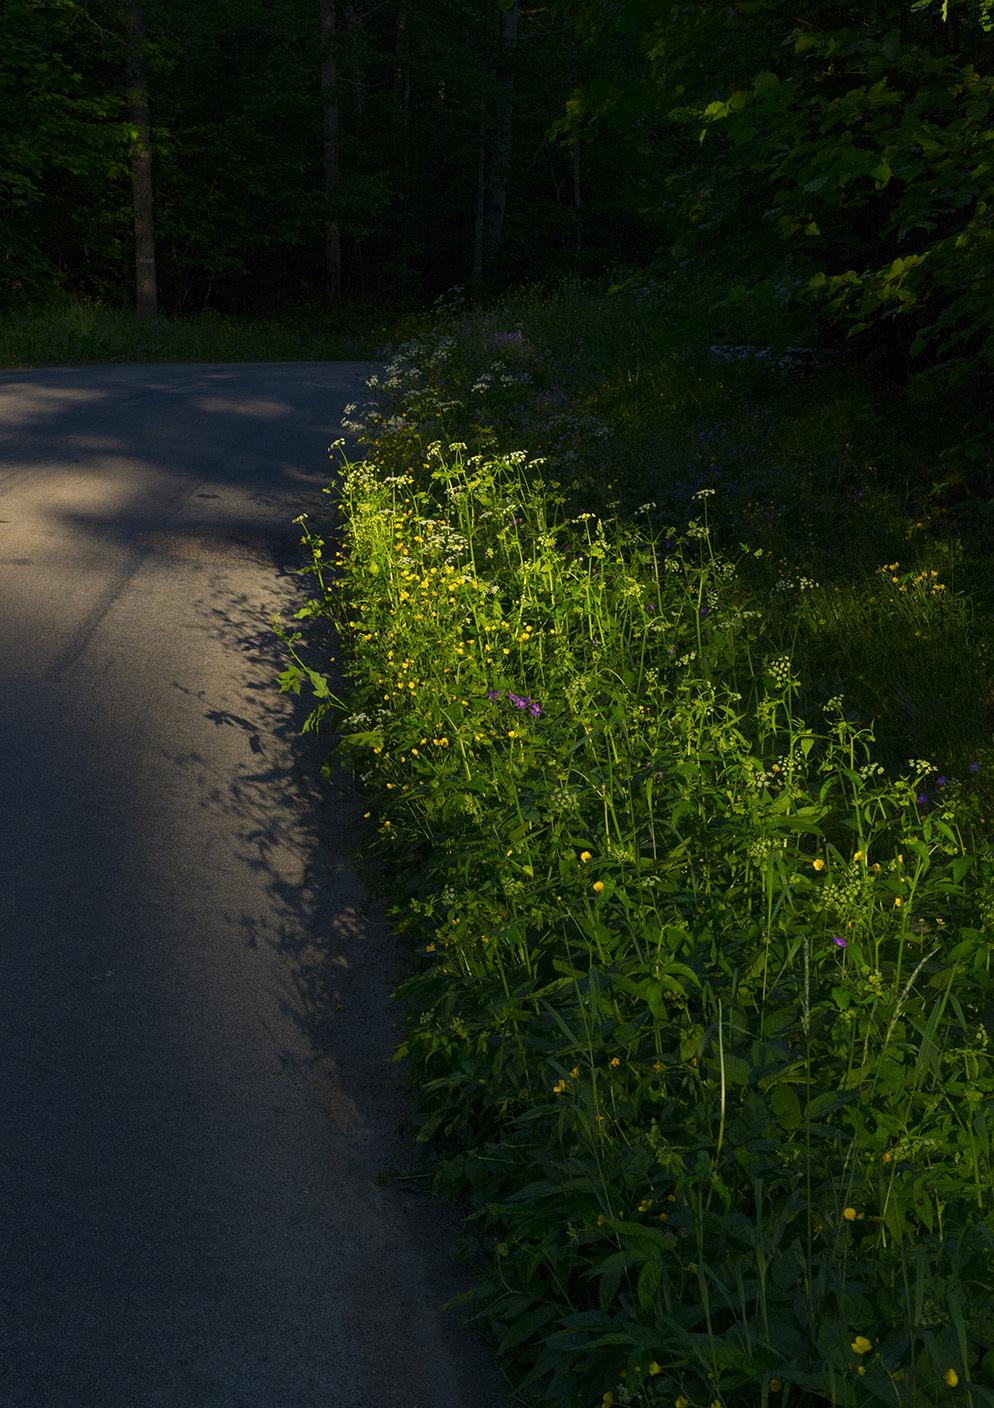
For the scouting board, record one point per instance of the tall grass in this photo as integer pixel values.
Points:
(75, 331)
(699, 1027)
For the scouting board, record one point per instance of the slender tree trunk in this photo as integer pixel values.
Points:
(574, 152)
(495, 198)
(904, 20)
(355, 27)
(402, 105)
(146, 291)
(329, 114)
(476, 267)
(577, 197)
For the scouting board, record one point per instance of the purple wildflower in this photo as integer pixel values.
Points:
(839, 941)
(535, 711)
(922, 798)
(974, 767)
(494, 694)
(517, 701)
(941, 781)
(650, 607)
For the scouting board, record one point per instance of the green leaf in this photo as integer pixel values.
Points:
(786, 1106)
(737, 1071)
(372, 738)
(290, 679)
(524, 1327)
(649, 1281)
(765, 82)
(828, 1102)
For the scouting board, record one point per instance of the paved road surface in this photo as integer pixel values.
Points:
(195, 1091)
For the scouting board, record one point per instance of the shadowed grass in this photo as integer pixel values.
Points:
(71, 333)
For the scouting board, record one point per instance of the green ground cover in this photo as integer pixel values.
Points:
(76, 331)
(668, 682)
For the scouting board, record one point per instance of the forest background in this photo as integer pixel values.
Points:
(320, 158)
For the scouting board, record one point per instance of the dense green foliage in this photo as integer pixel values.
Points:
(699, 1016)
(835, 162)
(235, 100)
(839, 157)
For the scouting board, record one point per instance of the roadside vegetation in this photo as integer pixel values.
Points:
(75, 331)
(667, 660)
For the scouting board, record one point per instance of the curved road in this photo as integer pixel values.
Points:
(196, 1101)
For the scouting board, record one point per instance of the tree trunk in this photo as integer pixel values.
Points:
(355, 27)
(904, 20)
(329, 115)
(146, 292)
(402, 106)
(577, 197)
(574, 73)
(495, 196)
(476, 270)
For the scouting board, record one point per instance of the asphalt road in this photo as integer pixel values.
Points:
(196, 1096)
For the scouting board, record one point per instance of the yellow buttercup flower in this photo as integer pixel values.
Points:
(575, 1072)
(655, 1368)
(898, 902)
(598, 886)
(682, 1402)
(859, 855)
(818, 864)
(608, 1400)
(861, 1345)
(951, 1378)
(585, 856)
(849, 1214)
(559, 1087)
(776, 1385)
(615, 1061)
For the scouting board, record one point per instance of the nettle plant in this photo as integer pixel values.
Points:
(700, 1025)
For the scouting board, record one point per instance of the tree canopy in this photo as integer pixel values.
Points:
(836, 158)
